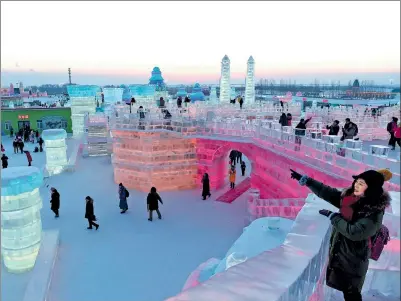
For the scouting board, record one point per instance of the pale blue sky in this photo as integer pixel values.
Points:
(120, 42)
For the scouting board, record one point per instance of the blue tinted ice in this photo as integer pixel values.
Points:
(17, 180)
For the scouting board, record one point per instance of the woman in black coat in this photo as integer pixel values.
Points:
(55, 201)
(90, 213)
(153, 203)
(283, 120)
(206, 186)
(360, 217)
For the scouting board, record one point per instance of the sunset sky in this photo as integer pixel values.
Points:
(120, 42)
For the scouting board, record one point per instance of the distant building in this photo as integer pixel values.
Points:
(182, 92)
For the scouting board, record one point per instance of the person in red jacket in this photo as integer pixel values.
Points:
(397, 134)
(29, 157)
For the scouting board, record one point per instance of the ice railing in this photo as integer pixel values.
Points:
(97, 140)
(343, 159)
(289, 272)
(369, 127)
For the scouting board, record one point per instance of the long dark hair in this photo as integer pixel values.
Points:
(205, 176)
(88, 198)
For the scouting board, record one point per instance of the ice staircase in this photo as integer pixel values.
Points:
(232, 194)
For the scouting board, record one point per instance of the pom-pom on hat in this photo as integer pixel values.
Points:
(375, 178)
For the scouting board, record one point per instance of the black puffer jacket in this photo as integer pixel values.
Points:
(153, 201)
(349, 243)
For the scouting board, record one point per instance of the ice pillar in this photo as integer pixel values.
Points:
(56, 150)
(21, 225)
(225, 80)
(250, 81)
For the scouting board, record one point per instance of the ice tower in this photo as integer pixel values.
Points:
(21, 225)
(250, 81)
(225, 80)
(83, 101)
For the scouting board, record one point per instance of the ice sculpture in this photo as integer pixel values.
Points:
(250, 81)
(233, 93)
(213, 94)
(83, 101)
(21, 226)
(97, 143)
(225, 80)
(113, 95)
(56, 150)
(145, 159)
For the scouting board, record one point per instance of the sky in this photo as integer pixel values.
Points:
(120, 42)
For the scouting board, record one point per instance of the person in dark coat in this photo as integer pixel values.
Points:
(187, 100)
(391, 127)
(241, 102)
(4, 161)
(15, 145)
(55, 201)
(179, 101)
(206, 186)
(350, 130)
(283, 120)
(334, 128)
(239, 157)
(40, 144)
(302, 127)
(37, 135)
(153, 200)
(90, 213)
(233, 157)
(161, 102)
(122, 194)
(21, 145)
(243, 167)
(361, 214)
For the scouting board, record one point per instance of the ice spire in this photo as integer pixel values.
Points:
(225, 80)
(250, 81)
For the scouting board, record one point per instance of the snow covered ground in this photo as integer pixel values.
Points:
(128, 258)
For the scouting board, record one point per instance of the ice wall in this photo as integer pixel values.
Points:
(164, 160)
(97, 135)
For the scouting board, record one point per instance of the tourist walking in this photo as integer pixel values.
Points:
(28, 157)
(40, 144)
(206, 186)
(55, 201)
(161, 102)
(15, 145)
(153, 200)
(21, 145)
(391, 127)
(355, 228)
(4, 161)
(243, 167)
(123, 194)
(239, 157)
(90, 213)
(232, 174)
(241, 102)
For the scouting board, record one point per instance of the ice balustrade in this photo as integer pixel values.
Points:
(325, 153)
(369, 128)
(97, 135)
(113, 95)
(291, 271)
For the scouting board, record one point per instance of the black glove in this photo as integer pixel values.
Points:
(295, 175)
(325, 212)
